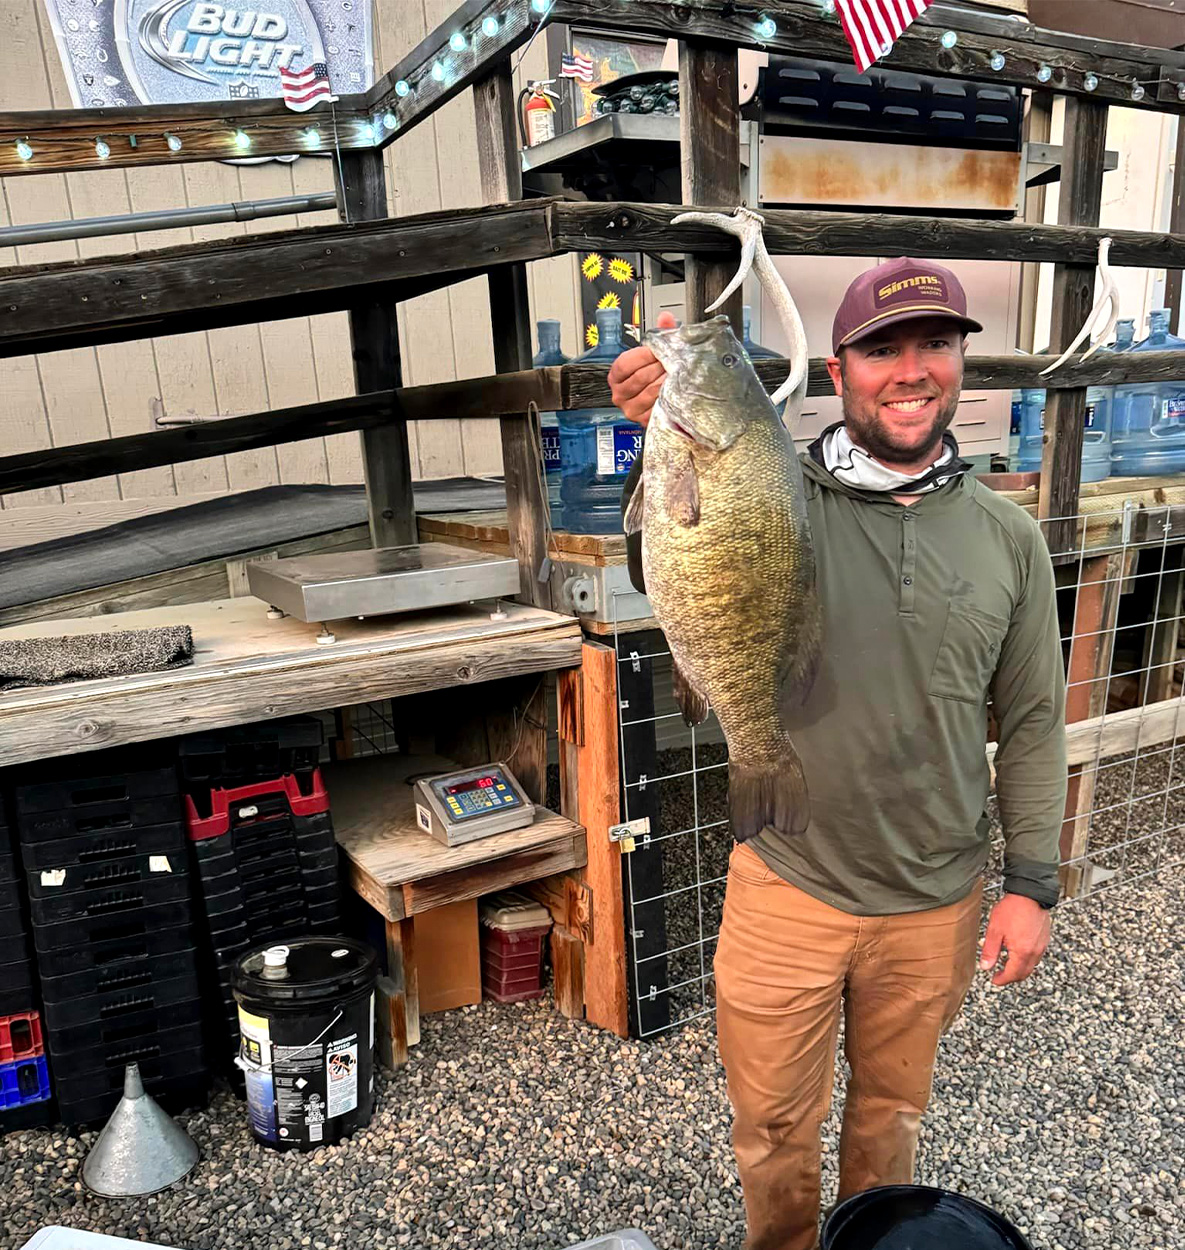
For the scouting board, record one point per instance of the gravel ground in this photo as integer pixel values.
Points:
(1061, 1103)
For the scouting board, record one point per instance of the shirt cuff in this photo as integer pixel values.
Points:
(1033, 879)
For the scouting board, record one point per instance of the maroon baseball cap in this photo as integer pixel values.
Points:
(898, 291)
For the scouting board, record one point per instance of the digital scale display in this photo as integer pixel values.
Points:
(476, 796)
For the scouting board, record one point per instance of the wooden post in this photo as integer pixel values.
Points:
(1161, 636)
(588, 738)
(710, 147)
(1038, 122)
(374, 332)
(398, 1005)
(1091, 648)
(1172, 285)
(1073, 297)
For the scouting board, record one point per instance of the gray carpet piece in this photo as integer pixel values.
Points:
(78, 657)
(211, 530)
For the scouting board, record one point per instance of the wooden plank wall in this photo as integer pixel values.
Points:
(73, 396)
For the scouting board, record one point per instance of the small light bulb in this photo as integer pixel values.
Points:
(1181, 91)
(402, 87)
(173, 142)
(540, 6)
(370, 132)
(438, 71)
(313, 135)
(23, 150)
(997, 61)
(242, 139)
(1044, 73)
(949, 39)
(102, 151)
(390, 120)
(489, 26)
(829, 8)
(1090, 82)
(767, 28)
(456, 41)
(1137, 91)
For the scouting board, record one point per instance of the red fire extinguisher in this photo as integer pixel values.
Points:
(537, 120)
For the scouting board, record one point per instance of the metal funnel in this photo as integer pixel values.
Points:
(142, 1150)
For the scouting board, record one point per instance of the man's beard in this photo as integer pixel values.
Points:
(879, 440)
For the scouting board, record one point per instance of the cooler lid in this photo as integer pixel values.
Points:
(317, 968)
(510, 911)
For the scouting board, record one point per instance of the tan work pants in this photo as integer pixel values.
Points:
(785, 964)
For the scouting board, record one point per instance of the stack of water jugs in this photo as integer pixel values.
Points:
(1134, 430)
(588, 452)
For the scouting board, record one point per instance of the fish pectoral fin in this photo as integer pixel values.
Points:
(799, 676)
(683, 493)
(692, 703)
(634, 511)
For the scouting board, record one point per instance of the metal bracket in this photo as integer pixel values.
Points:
(636, 661)
(1129, 519)
(626, 835)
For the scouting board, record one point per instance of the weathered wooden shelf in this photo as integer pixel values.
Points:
(401, 870)
(249, 668)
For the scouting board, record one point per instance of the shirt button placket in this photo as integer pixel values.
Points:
(908, 562)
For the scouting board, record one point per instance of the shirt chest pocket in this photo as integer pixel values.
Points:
(967, 654)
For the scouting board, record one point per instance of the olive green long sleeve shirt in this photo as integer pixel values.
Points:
(929, 610)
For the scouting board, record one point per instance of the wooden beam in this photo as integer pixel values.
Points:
(809, 232)
(598, 782)
(1120, 733)
(1172, 286)
(461, 67)
(710, 154)
(803, 30)
(249, 278)
(552, 389)
(63, 140)
(1079, 202)
(374, 335)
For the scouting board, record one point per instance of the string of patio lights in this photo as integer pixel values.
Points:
(442, 70)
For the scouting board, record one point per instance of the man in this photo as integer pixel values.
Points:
(937, 595)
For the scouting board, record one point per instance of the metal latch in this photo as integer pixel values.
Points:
(626, 834)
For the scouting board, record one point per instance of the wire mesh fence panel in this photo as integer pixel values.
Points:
(1120, 612)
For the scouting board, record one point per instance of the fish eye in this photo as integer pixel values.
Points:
(730, 360)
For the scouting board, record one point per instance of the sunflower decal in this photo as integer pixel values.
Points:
(592, 266)
(609, 300)
(621, 270)
(591, 335)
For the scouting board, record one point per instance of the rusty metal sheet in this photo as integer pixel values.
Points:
(819, 172)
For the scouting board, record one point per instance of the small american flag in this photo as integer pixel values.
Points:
(576, 67)
(872, 26)
(304, 87)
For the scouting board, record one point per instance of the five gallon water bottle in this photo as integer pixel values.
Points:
(1096, 437)
(756, 351)
(550, 354)
(1150, 436)
(598, 447)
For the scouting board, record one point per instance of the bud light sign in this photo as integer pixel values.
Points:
(123, 52)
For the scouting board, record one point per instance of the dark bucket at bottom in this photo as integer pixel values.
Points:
(306, 1016)
(916, 1217)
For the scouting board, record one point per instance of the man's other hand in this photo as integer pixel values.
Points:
(636, 377)
(1021, 928)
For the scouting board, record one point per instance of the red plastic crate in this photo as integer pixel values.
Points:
(512, 963)
(220, 820)
(20, 1037)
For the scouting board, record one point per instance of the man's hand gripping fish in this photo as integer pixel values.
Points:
(726, 548)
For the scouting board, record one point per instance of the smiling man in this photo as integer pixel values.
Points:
(937, 596)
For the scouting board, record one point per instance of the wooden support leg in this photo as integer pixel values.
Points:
(1160, 642)
(567, 963)
(399, 990)
(1090, 664)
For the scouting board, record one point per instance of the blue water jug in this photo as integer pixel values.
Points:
(549, 353)
(1096, 437)
(1150, 436)
(756, 351)
(598, 447)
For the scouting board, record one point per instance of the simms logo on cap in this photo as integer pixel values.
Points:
(927, 286)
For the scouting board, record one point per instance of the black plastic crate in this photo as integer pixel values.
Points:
(92, 848)
(33, 1115)
(126, 974)
(108, 1007)
(107, 874)
(18, 999)
(9, 871)
(251, 752)
(74, 944)
(105, 777)
(165, 889)
(79, 1048)
(99, 818)
(176, 1092)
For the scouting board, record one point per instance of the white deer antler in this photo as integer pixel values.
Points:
(1108, 297)
(746, 225)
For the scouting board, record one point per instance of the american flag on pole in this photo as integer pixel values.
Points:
(576, 67)
(872, 26)
(304, 87)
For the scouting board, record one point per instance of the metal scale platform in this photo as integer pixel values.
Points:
(381, 580)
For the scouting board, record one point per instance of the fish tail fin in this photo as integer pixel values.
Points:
(772, 795)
